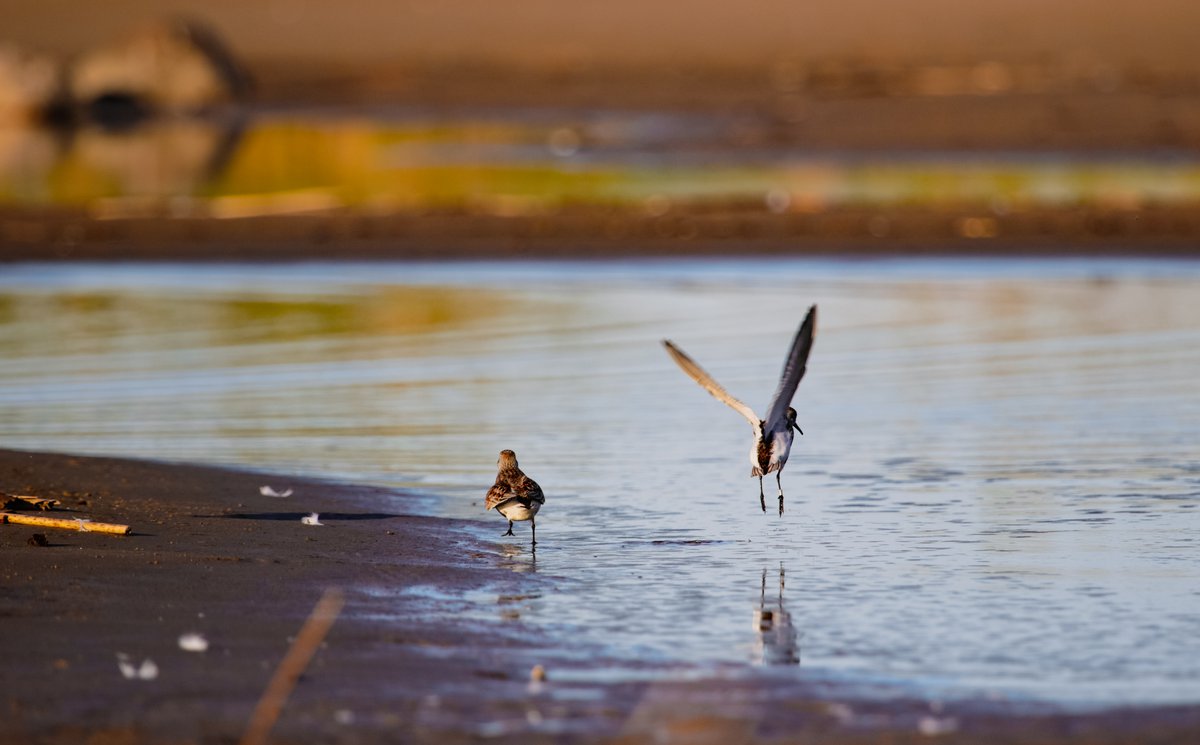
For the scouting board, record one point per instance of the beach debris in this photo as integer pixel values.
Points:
(312, 518)
(267, 491)
(167, 67)
(931, 726)
(80, 524)
(843, 713)
(564, 142)
(38, 539)
(148, 670)
(490, 730)
(292, 666)
(537, 680)
(23, 502)
(193, 642)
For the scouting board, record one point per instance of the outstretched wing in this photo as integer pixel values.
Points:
(696, 373)
(793, 370)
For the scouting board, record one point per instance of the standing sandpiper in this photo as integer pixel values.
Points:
(773, 435)
(515, 495)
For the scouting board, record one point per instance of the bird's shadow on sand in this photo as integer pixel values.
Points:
(295, 516)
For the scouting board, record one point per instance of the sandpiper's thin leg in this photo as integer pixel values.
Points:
(777, 481)
(509, 529)
(762, 498)
(533, 527)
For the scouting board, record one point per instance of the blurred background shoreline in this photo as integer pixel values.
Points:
(1155, 33)
(273, 130)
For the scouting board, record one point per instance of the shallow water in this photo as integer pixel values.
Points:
(996, 493)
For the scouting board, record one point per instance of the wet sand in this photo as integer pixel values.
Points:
(209, 554)
(735, 230)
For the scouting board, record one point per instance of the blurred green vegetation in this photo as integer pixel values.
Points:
(297, 166)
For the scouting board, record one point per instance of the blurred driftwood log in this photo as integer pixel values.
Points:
(166, 68)
(31, 84)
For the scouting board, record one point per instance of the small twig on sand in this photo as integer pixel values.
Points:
(292, 667)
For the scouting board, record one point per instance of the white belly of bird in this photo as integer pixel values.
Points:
(515, 511)
(781, 446)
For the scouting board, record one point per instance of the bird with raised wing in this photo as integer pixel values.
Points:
(515, 495)
(772, 435)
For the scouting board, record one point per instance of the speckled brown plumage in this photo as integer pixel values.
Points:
(512, 483)
(515, 495)
(763, 453)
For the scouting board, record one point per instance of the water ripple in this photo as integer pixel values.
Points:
(996, 490)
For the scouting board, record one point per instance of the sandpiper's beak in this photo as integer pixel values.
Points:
(797, 426)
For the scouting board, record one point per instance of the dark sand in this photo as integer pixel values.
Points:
(209, 554)
(599, 234)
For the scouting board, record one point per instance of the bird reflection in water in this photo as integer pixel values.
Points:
(513, 606)
(775, 639)
(515, 558)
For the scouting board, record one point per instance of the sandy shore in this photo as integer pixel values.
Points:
(416, 655)
(54, 235)
(209, 554)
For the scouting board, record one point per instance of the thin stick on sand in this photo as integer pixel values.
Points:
(86, 526)
(292, 666)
